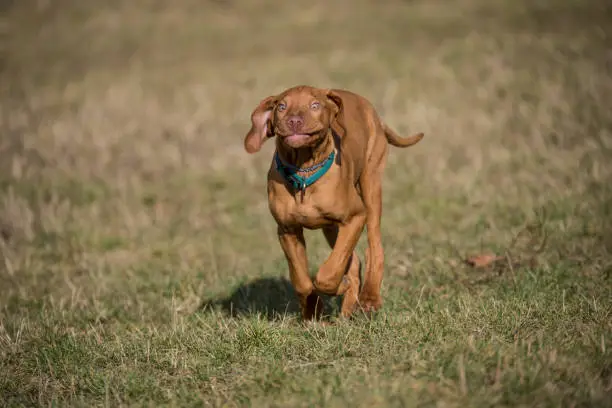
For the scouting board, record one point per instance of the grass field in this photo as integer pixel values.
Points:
(139, 264)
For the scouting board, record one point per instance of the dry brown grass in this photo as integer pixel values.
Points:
(127, 202)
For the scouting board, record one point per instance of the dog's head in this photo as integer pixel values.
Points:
(301, 117)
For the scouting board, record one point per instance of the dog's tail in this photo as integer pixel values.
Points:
(398, 141)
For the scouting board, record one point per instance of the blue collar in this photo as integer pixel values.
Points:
(290, 173)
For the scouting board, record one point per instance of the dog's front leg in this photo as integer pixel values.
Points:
(294, 246)
(331, 278)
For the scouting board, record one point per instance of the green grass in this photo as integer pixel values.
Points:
(139, 264)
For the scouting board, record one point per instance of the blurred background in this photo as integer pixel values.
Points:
(127, 200)
(122, 126)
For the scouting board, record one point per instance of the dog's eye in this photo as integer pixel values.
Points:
(315, 105)
(281, 106)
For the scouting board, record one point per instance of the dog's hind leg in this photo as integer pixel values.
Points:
(371, 189)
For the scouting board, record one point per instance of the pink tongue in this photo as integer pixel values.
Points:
(296, 138)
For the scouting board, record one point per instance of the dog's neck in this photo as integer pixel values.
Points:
(307, 156)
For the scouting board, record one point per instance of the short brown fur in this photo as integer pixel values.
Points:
(308, 124)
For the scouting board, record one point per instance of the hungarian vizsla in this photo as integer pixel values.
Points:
(326, 173)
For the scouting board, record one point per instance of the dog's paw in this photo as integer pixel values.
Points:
(369, 304)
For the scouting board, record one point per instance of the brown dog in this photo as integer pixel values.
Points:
(331, 149)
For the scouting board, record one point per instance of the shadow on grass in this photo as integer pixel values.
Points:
(271, 297)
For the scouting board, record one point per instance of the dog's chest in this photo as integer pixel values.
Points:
(314, 210)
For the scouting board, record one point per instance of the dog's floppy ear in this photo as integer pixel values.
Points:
(260, 125)
(337, 110)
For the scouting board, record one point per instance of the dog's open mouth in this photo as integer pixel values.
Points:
(297, 139)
